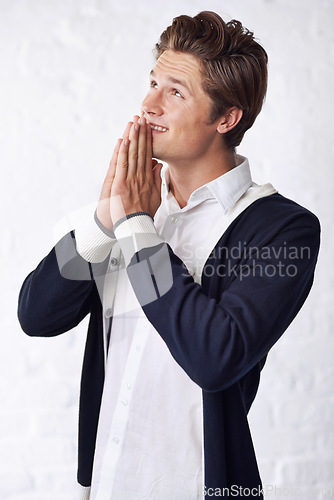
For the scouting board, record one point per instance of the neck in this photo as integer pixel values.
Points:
(186, 178)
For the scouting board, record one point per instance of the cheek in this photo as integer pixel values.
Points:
(189, 143)
(186, 125)
(194, 133)
(190, 126)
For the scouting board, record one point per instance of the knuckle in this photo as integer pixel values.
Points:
(134, 155)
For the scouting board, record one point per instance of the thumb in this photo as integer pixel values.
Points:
(157, 174)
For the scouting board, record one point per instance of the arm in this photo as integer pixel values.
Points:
(94, 239)
(56, 296)
(217, 332)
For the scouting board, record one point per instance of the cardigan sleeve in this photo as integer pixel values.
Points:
(93, 242)
(56, 296)
(218, 331)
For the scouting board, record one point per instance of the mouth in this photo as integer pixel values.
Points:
(158, 128)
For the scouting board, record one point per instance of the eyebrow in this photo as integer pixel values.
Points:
(174, 80)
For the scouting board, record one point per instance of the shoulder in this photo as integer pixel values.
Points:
(272, 219)
(275, 213)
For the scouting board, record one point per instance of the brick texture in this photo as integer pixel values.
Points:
(72, 74)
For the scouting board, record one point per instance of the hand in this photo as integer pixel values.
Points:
(103, 206)
(136, 181)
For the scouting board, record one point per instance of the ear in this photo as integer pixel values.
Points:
(228, 121)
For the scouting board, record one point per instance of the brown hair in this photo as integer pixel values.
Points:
(234, 65)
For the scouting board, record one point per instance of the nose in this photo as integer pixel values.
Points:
(152, 105)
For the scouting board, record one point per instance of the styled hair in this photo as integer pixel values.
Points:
(233, 65)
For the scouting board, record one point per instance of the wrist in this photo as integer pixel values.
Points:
(134, 232)
(102, 215)
(108, 230)
(130, 216)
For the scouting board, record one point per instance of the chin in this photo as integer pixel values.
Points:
(158, 155)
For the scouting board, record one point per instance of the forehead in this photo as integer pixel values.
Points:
(179, 65)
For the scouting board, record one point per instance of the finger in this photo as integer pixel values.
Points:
(122, 161)
(105, 192)
(142, 148)
(148, 163)
(156, 171)
(119, 142)
(157, 175)
(133, 149)
(113, 162)
(127, 131)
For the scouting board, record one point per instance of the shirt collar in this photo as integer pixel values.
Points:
(226, 189)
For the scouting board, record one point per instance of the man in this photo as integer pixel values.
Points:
(189, 278)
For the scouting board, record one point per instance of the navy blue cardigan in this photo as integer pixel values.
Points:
(219, 332)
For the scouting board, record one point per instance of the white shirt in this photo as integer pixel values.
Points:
(149, 441)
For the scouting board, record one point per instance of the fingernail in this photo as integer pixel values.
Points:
(126, 142)
(136, 127)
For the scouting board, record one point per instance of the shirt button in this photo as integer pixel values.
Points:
(124, 402)
(173, 219)
(128, 386)
(115, 440)
(138, 347)
(113, 262)
(108, 313)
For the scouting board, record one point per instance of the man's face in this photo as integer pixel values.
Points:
(177, 103)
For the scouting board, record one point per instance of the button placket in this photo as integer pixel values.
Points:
(113, 262)
(108, 313)
(121, 414)
(109, 289)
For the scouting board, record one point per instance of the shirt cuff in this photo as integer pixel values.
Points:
(134, 233)
(93, 241)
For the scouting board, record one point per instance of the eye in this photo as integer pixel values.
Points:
(153, 84)
(177, 93)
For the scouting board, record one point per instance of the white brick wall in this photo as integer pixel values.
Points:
(72, 74)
